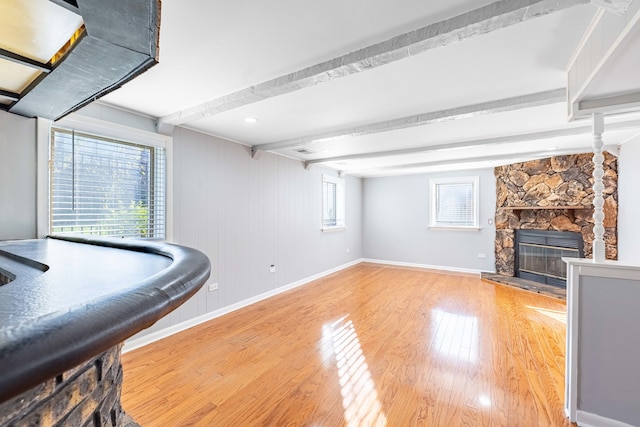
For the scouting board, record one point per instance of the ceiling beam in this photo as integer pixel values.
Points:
(533, 136)
(619, 7)
(467, 111)
(623, 102)
(494, 16)
(509, 157)
(591, 65)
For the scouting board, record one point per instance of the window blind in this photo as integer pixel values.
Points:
(455, 204)
(106, 187)
(329, 190)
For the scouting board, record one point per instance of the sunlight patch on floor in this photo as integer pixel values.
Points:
(559, 315)
(359, 395)
(456, 335)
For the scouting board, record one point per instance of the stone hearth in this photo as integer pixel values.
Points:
(527, 285)
(553, 194)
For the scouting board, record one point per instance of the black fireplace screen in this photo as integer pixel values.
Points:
(539, 254)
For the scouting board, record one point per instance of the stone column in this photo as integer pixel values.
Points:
(598, 187)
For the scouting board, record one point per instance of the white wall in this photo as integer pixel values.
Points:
(629, 203)
(17, 177)
(246, 214)
(243, 213)
(608, 349)
(396, 218)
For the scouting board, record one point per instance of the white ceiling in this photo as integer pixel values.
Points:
(210, 49)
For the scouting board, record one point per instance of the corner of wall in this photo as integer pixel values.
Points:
(629, 203)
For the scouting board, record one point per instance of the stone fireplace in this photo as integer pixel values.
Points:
(554, 194)
(539, 253)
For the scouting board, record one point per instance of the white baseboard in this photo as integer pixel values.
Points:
(134, 343)
(430, 267)
(588, 419)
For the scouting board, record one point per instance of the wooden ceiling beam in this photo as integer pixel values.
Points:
(467, 111)
(492, 17)
(533, 136)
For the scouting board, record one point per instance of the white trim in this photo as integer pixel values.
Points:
(106, 129)
(607, 268)
(461, 228)
(43, 135)
(105, 104)
(572, 338)
(332, 229)
(168, 208)
(427, 266)
(577, 268)
(341, 201)
(434, 182)
(588, 419)
(585, 39)
(112, 130)
(134, 343)
(226, 139)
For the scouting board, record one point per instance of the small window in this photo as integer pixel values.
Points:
(454, 202)
(107, 187)
(332, 203)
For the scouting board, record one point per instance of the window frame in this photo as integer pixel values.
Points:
(340, 202)
(434, 183)
(101, 129)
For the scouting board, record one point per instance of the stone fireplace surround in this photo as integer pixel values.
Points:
(555, 193)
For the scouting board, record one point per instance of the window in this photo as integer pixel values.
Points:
(332, 203)
(454, 202)
(104, 186)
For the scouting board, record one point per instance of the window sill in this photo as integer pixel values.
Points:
(440, 227)
(332, 229)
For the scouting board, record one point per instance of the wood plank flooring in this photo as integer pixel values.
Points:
(371, 345)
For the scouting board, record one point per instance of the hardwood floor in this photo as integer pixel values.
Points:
(368, 346)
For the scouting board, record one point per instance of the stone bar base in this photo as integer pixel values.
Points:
(87, 395)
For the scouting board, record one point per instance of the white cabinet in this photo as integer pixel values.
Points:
(603, 343)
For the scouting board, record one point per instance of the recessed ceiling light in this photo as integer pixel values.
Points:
(251, 120)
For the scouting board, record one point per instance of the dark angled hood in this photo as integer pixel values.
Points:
(119, 43)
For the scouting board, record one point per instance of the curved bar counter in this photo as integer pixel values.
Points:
(66, 300)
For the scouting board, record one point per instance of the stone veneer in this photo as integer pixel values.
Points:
(87, 395)
(547, 185)
(5, 277)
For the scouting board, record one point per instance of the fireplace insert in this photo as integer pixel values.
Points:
(539, 255)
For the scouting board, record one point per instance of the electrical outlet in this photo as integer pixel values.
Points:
(490, 221)
(482, 256)
(348, 250)
(272, 268)
(213, 287)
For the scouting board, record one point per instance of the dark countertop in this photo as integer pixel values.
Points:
(75, 297)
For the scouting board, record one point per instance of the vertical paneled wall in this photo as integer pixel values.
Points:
(17, 177)
(247, 214)
(396, 224)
